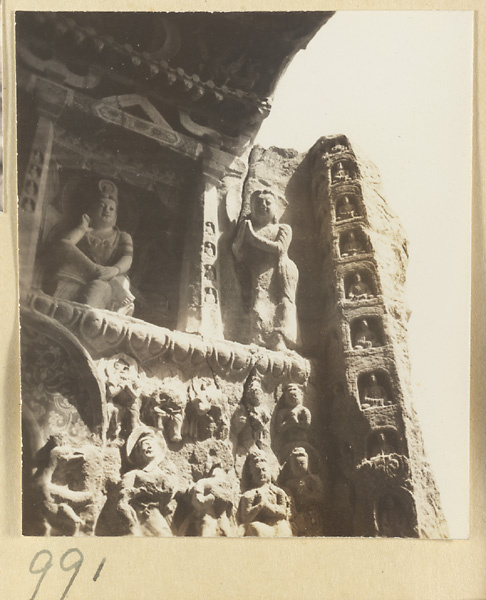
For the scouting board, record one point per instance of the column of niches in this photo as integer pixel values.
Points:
(368, 356)
(364, 331)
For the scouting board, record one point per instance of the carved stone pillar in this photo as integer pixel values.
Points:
(32, 200)
(199, 309)
(200, 293)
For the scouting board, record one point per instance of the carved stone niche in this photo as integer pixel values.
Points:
(348, 206)
(382, 441)
(367, 332)
(353, 242)
(394, 514)
(154, 227)
(344, 171)
(375, 390)
(359, 284)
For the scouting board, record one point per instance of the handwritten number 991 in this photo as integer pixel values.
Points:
(71, 560)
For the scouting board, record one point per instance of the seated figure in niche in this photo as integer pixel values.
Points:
(365, 337)
(264, 510)
(293, 419)
(307, 492)
(146, 494)
(381, 445)
(341, 174)
(352, 246)
(262, 245)
(359, 289)
(212, 503)
(374, 394)
(346, 209)
(96, 256)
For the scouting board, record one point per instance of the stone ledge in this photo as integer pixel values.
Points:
(105, 333)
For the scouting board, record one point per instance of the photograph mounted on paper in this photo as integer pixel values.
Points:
(213, 332)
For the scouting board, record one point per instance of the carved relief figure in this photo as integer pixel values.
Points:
(264, 510)
(146, 494)
(212, 503)
(307, 492)
(262, 245)
(123, 395)
(205, 418)
(365, 337)
(250, 420)
(346, 209)
(293, 419)
(96, 256)
(374, 394)
(352, 245)
(68, 487)
(164, 410)
(359, 289)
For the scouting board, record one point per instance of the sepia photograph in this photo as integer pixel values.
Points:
(244, 270)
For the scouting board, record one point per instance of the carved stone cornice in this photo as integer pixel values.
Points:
(105, 333)
(71, 151)
(60, 102)
(61, 26)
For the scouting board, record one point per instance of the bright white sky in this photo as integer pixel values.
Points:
(399, 85)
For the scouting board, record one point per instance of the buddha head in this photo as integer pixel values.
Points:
(263, 206)
(104, 210)
(143, 447)
(299, 461)
(259, 468)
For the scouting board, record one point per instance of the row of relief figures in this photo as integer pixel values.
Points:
(178, 459)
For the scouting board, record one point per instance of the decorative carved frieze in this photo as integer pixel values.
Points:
(103, 332)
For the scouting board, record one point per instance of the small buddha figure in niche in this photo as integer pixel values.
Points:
(209, 273)
(374, 394)
(262, 245)
(352, 245)
(35, 172)
(37, 157)
(210, 296)
(359, 289)
(381, 444)
(30, 188)
(209, 228)
(209, 249)
(341, 174)
(307, 492)
(264, 510)
(365, 337)
(96, 256)
(293, 419)
(146, 493)
(346, 209)
(212, 504)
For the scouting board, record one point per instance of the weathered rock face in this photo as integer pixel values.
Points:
(213, 339)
